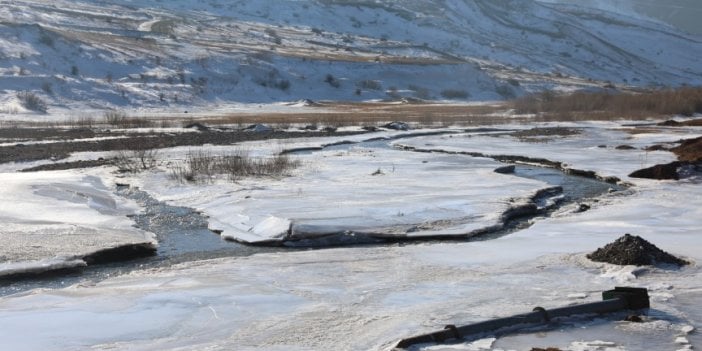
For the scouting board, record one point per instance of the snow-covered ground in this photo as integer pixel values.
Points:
(52, 220)
(368, 297)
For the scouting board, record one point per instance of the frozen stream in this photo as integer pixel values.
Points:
(183, 234)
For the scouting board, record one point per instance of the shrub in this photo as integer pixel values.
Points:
(506, 91)
(46, 87)
(331, 80)
(115, 118)
(455, 94)
(137, 160)
(31, 101)
(121, 120)
(201, 166)
(46, 39)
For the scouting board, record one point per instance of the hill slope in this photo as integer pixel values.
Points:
(111, 53)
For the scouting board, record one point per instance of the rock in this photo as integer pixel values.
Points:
(670, 123)
(329, 129)
(310, 127)
(397, 126)
(505, 169)
(307, 102)
(657, 147)
(634, 318)
(634, 250)
(660, 172)
(582, 208)
(625, 147)
(370, 128)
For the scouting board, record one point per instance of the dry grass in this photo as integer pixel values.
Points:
(684, 101)
(350, 113)
(203, 167)
(120, 119)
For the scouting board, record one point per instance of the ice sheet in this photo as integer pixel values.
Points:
(50, 217)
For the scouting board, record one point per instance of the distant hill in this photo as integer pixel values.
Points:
(157, 54)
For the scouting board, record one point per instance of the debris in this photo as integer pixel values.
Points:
(634, 250)
(621, 298)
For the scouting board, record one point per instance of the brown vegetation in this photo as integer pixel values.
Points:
(689, 150)
(200, 166)
(684, 101)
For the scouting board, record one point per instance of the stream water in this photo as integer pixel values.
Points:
(183, 233)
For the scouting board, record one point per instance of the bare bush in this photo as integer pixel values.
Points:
(203, 167)
(115, 118)
(135, 161)
(32, 101)
(121, 120)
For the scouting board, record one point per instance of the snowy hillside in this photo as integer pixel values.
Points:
(158, 54)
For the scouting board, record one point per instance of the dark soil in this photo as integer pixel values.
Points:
(544, 134)
(690, 150)
(71, 165)
(634, 250)
(60, 150)
(625, 147)
(48, 133)
(689, 123)
(657, 147)
(659, 172)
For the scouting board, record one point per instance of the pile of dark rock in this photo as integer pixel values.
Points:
(634, 250)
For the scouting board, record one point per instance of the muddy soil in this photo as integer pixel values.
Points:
(63, 149)
(542, 135)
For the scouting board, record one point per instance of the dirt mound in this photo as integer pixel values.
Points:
(634, 250)
(690, 150)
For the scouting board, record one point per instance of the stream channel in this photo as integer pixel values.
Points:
(183, 233)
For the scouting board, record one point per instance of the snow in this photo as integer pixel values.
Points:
(368, 297)
(590, 150)
(223, 53)
(61, 217)
(336, 191)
